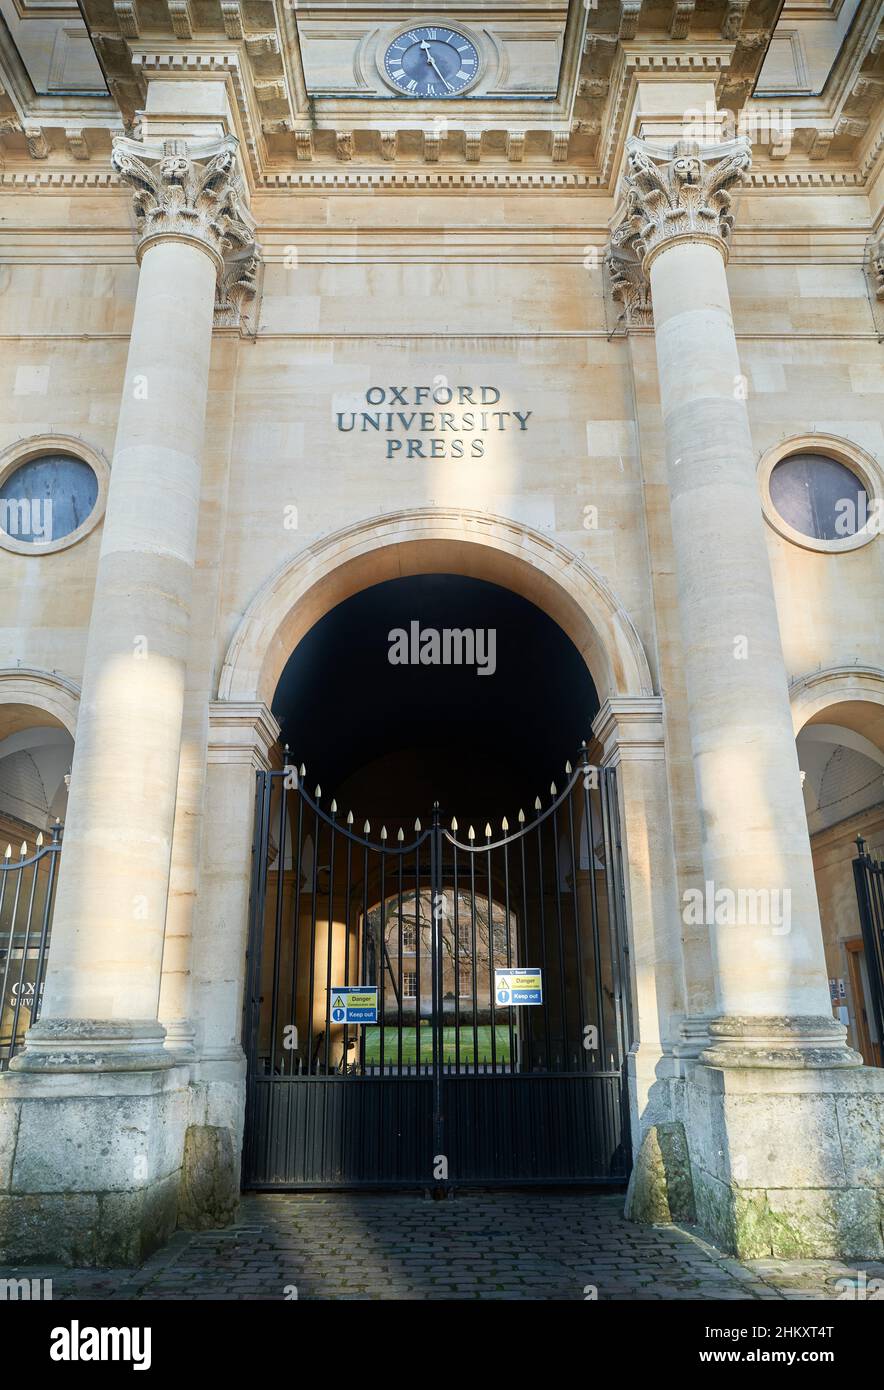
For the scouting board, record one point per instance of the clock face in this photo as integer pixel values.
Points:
(432, 61)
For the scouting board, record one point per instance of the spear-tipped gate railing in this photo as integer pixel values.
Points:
(868, 873)
(27, 896)
(445, 1082)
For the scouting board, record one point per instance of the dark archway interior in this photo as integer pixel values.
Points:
(387, 740)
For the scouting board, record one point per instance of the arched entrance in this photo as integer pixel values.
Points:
(429, 924)
(38, 712)
(838, 715)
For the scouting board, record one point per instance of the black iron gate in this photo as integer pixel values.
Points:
(27, 898)
(868, 873)
(449, 1083)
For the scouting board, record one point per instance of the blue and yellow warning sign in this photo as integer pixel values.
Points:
(514, 988)
(354, 1004)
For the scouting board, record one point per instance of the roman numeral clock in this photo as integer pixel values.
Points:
(431, 61)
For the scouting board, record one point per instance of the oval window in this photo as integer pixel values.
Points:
(819, 496)
(47, 498)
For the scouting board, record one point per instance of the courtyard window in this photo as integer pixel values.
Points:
(409, 984)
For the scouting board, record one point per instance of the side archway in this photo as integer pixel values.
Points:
(44, 697)
(838, 715)
(38, 720)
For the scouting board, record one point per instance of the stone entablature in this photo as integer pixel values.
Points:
(289, 129)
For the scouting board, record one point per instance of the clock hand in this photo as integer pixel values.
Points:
(432, 61)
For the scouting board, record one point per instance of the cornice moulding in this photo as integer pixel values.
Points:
(349, 179)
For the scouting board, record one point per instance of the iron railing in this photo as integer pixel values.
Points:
(445, 1083)
(868, 873)
(27, 896)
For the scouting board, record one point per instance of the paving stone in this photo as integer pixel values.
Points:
(490, 1246)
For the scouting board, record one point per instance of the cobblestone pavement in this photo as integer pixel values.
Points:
(494, 1246)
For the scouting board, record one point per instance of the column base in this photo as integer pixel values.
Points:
(787, 1162)
(180, 1039)
(93, 1044)
(787, 1040)
(90, 1164)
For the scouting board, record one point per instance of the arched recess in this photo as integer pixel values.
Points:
(29, 697)
(852, 696)
(838, 716)
(38, 720)
(428, 541)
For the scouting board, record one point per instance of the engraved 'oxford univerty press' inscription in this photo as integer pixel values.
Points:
(432, 422)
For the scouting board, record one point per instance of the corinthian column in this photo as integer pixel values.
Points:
(760, 898)
(102, 986)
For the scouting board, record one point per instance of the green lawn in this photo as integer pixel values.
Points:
(409, 1044)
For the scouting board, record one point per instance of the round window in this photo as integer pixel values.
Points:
(47, 498)
(819, 496)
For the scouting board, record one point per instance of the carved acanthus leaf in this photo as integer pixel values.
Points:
(630, 287)
(878, 268)
(236, 288)
(186, 190)
(680, 194)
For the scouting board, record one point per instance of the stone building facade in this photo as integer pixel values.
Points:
(638, 245)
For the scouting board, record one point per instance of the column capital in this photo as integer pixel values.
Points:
(187, 191)
(678, 194)
(630, 729)
(242, 732)
(878, 268)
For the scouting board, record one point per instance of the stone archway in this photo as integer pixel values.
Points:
(38, 720)
(849, 695)
(838, 715)
(434, 540)
(46, 697)
(629, 728)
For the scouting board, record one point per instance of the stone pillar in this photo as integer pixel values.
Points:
(102, 984)
(96, 1117)
(242, 736)
(780, 1161)
(770, 975)
(630, 731)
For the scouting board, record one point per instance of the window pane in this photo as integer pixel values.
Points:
(47, 498)
(818, 496)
